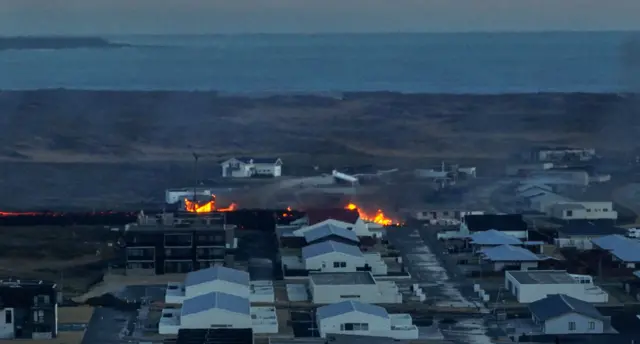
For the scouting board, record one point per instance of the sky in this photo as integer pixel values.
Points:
(37, 17)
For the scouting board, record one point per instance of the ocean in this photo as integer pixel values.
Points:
(478, 63)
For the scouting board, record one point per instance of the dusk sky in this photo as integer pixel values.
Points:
(265, 16)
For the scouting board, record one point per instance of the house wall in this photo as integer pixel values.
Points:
(333, 324)
(591, 211)
(324, 263)
(499, 266)
(219, 286)
(7, 328)
(527, 293)
(560, 325)
(268, 169)
(236, 169)
(325, 294)
(216, 318)
(579, 242)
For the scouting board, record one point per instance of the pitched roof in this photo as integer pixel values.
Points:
(329, 246)
(590, 228)
(217, 273)
(248, 159)
(559, 304)
(502, 222)
(339, 214)
(623, 248)
(494, 237)
(326, 230)
(344, 307)
(217, 300)
(508, 253)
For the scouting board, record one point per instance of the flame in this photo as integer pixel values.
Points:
(195, 207)
(379, 217)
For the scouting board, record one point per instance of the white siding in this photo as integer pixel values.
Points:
(375, 324)
(216, 318)
(527, 293)
(561, 325)
(590, 211)
(7, 328)
(324, 294)
(219, 286)
(325, 262)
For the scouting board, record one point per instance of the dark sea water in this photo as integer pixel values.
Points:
(437, 63)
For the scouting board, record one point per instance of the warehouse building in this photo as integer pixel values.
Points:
(531, 286)
(353, 317)
(219, 279)
(359, 286)
(504, 257)
(579, 234)
(248, 167)
(561, 314)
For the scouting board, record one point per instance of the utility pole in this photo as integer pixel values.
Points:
(195, 176)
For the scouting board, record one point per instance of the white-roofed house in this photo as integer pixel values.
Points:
(214, 279)
(500, 257)
(332, 256)
(357, 318)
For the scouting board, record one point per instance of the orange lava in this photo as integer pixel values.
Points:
(378, 217)
(208, 207)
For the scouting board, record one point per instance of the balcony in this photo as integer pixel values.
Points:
(141, 254)
(178, 253)
(178, 240)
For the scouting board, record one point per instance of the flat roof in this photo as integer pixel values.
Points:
(542, 277)
(342, 278)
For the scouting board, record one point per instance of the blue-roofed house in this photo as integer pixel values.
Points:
(492, 238)
(215, 309)
(217, 279)
(624, 251)
(332, 256)
(357, 318)
(328, 231)
(562, 314)
(247, 167)
(507, 256)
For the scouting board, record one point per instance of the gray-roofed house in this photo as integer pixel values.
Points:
(625, 251)
(332, 232)
(562, 314)
(217, 279)
(351, 317)
(500, 257)
(246, 167)
(491, 238)
(579, 234)
(216, 309)
(332, 256)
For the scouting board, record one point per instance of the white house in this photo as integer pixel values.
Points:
(582, 211)
(245, 167)
(216, 309)
(349, 219)
(562, 314)
(492, 238)
(625, 251)
(214, 279)
(357, 286)
(353, 317)
(332, 256)
(327, 231)
(531, 286)
(505, 256)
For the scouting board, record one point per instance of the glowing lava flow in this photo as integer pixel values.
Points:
(378, 218)
(194, 207)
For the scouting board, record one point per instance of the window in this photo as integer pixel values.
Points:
(572, 326)
(343, 264)
(336, 264)
(354, 327)
(8, 316)
(339, 264)
(569, 213)
(349, 296)
(592, 325)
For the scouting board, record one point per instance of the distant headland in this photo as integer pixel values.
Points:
(55, 42)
